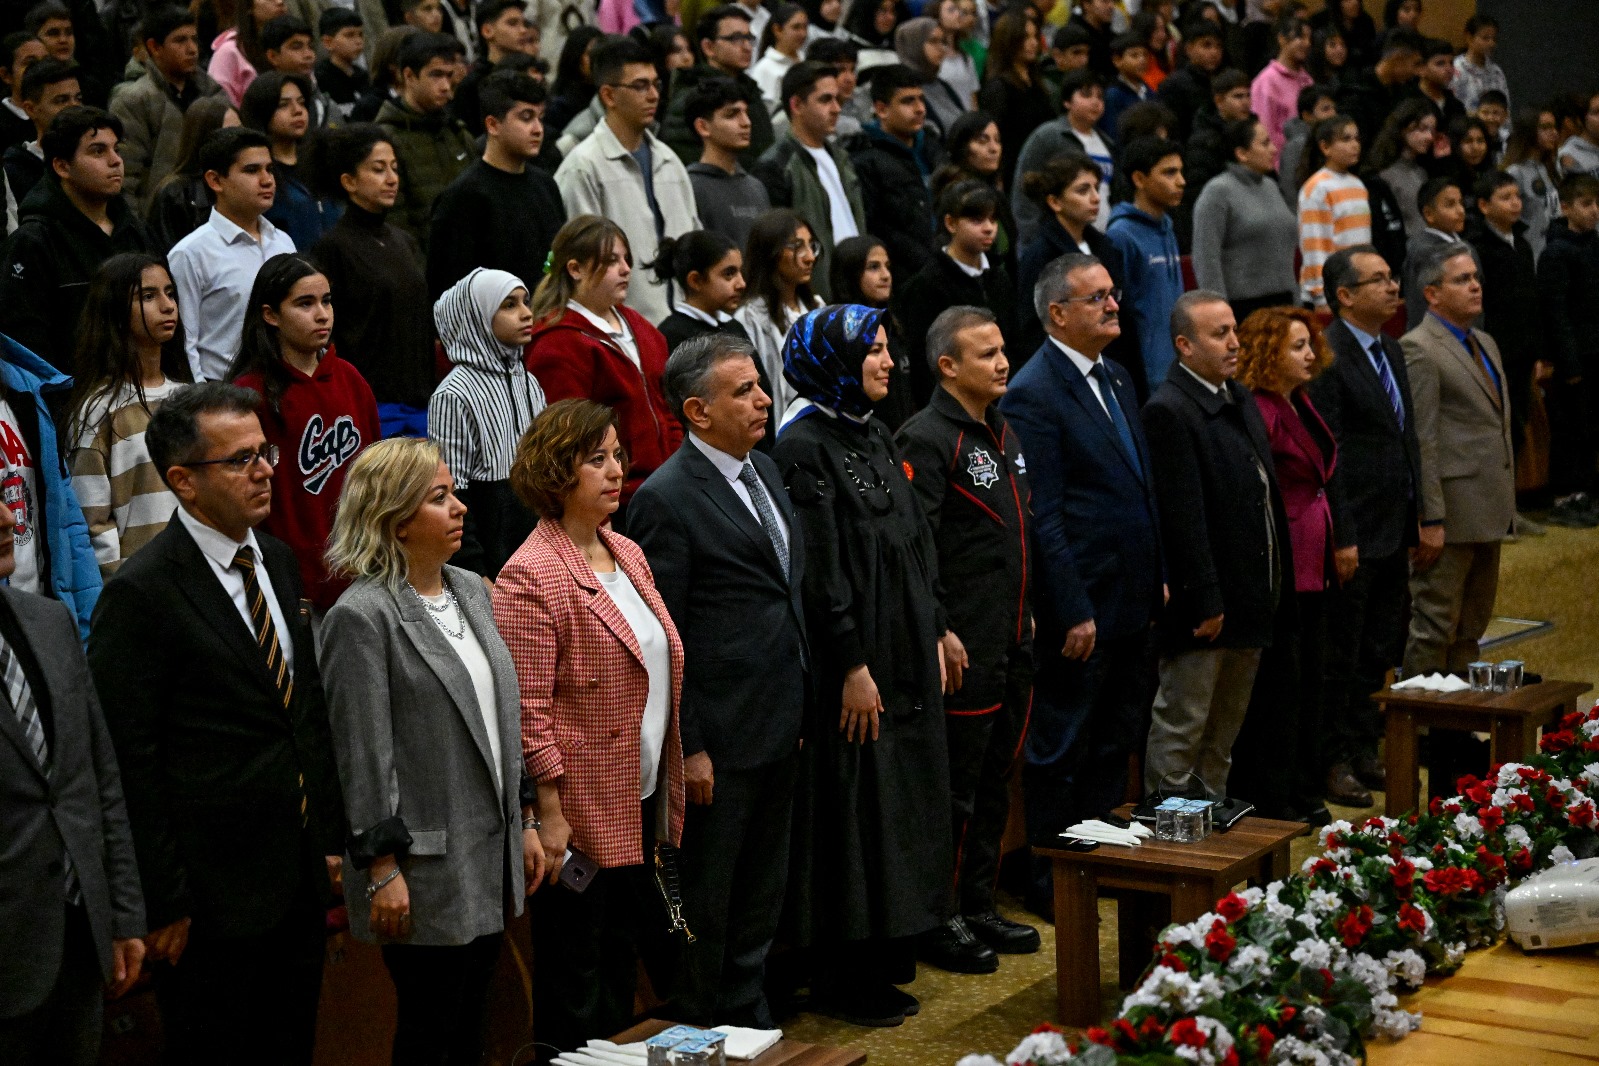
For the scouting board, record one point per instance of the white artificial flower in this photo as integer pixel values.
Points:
(1407, 967)
(1315, 954)
(1561, 853)
(1253, 896)
(1047, 1047)
(1369, 972)
(1510, 774)
(1167, 987)
(1420, 862)
(1505, 798)
(1517, 837)
(1250, 963)
(1394, 1024)
(1468, 826)
(1590, 773)
(978, 1060)
(1327, 831)
(1341, 856)
(1323, 901)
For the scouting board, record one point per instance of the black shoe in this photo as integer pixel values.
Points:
(1574, 512)
(952, 947)
(1344, 790)
(1370, 771)
(1002, 934)
(876, 1008)
(909, 1004)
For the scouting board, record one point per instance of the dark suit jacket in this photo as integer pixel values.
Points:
(1095, 529)
(212, 763)
(741, 621)
(1204, 450)
(1373, 488)
(78, 809)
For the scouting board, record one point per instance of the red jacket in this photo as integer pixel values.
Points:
(584, 686)
(322, 423)
(571, 359)
(1304, 453)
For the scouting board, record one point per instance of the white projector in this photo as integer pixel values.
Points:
(1556, 908)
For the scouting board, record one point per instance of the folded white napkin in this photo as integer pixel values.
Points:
(744, 1043)
(1104, 832)
(1433, 683)
(621, 1054)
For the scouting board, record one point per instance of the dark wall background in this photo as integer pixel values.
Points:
(1546, 47)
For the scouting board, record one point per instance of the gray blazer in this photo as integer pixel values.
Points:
(77, 810)
(1468, 468)
(414, 759)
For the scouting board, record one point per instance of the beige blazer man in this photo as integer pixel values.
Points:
(1468, 484)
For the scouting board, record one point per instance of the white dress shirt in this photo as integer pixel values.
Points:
(624, 338)
(657, 652)
(717, 320)
(219, 550)
(970, 271)
(729, 467)
(1085, 365)
(214, 269)
(1214, 389)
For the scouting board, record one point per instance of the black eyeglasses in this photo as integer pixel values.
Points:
(238, 464)
(642, 85)
(738, 38)
(1095, 297)
(1375, 279)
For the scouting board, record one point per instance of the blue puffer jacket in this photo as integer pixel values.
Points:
(74, 574)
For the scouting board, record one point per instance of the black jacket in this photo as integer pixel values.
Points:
(1568, 284)
(1510, 294)
(1186, 92)
(1018, 110)
(1099, 39)
(180, 206)
(214, 768)
(1216, 487)
(741, 618)
(1374, 485)
(899, 207)
(1363, 97)
(49, 263)
(940, 285)
(971, 479)
(23, 171)
(487, 217)
(1388, 233)
(1204, 157)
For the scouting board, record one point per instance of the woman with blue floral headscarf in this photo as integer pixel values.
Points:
(873, 843)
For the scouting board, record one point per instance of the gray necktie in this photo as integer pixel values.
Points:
(20, 693)
(763, 509)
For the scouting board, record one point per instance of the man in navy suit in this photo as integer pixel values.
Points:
(1098, 571)
(721, 537)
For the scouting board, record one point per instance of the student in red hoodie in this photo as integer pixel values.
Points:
(587, 345)
(318, 411)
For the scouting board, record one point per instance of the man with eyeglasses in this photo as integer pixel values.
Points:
(1467, 493)
(625, 173)
(1364, 397)
(726, 50)
(203, 658)
(1097, 572)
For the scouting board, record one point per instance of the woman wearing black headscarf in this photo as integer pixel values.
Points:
(872, 843)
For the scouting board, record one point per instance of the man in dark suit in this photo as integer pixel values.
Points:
(1097, 549)
(968, 470)
(69, 885)
(1364, 397)
(213, 700)
(717, 527)
(1226, 539)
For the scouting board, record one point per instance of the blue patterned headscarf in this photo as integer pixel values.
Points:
(823, 354)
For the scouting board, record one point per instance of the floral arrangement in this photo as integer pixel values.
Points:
(1307, 969)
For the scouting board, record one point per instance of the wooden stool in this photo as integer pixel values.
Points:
(1192, 876)
(1511, 719)
(784, 1053)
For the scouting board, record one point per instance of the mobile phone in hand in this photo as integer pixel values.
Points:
(578, 871)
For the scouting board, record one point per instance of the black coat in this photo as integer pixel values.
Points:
(1568, 283)
(899, 207)
(214, 769)
(741, 618)
(940, 285)
(49, 263)
(1018, 110)
(487, 217)
(971, 479)
(1375, 483)
(1186, 92)
(1204, 157)
(1208, 452)
(1363, 97)
(1388, 233)
(1510, 313)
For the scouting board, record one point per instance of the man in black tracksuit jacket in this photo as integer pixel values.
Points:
(968, 472)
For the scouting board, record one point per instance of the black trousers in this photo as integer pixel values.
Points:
(64, 1030)
(735, 873)
(983, 746)
(1277, 759)
(586, 950)
(1088, 717)
(1365, 639)
(441, 994)
(1572, 409)
(248, 999)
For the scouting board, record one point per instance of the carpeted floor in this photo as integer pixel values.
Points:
(1541, 579)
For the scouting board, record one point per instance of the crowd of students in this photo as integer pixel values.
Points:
(393, 221)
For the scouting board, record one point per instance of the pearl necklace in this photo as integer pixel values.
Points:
(438, 613)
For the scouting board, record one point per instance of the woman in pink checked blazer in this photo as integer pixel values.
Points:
(600, 668)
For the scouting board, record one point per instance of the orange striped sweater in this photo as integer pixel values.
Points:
(1334, 213)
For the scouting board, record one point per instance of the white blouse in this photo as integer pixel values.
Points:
(472, 656)
(651, 639)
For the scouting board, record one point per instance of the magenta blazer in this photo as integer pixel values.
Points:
(1304, 453)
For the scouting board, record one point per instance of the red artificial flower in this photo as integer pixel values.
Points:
(1581, 815)
(1555, 798)
(1355, 925)
(1413, 918)
(1097, 1035)
(1492, 818)
(1232, 907)
(1047, 1027)
(1451, 809)
(1219, 942)
(1322, 866)
(1172, 961)
(1475, 791)
(1185, 1032)
(1231, 1058)
(1491, 859)
(1264, 1042)
(1150, 1028)
(1404, 873)
(1128, 1034)
(1435, 805)
(1452, 881)
(1558, 741)
(1289, 1013)
(1572, 720)
(1524, 802)
(1327, 975)
(1521, 861)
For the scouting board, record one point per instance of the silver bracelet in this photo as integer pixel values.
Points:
(532, 823)
(377, 886)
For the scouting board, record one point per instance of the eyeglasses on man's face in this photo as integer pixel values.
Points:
(1375, 279)
(639, 85)
(737, 38)
(242, 461)
(1095, 298)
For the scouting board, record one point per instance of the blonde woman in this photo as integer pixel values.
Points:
(426, 716)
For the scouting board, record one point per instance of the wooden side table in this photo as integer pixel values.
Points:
(1511, 719)
(783, 1053)
(1192, 876)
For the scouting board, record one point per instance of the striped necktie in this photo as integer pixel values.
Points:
(266, 631)
(1385, 375)
(20, 693)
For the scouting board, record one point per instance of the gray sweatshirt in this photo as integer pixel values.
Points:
(1244, 236)
(728, 204)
